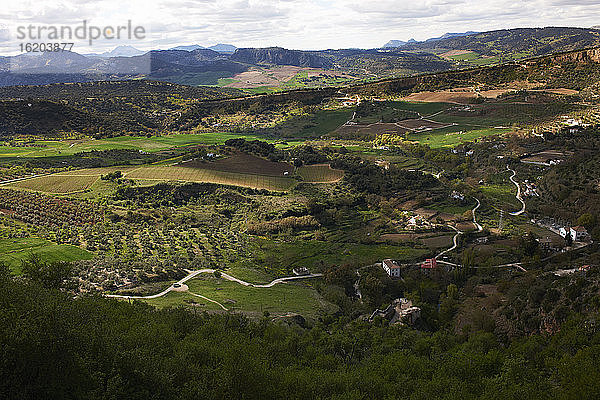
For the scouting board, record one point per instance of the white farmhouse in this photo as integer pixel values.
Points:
(578, 233)
(391, 268)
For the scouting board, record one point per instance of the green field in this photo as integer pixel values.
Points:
(314, 125)
(449, 137)
(152, 144)
(281, 257)
(279, 299)
(13, 251)
(56, 184)
(503, 194)
(320, 173)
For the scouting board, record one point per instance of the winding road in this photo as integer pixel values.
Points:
(454, 241)
(193, 274)
(458, 233)
(518, 196)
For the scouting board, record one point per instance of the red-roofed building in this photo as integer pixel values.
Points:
(430, 263)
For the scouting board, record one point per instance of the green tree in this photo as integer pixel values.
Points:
(586, 220)
(52, 275)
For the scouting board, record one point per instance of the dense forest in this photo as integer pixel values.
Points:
(54, 346)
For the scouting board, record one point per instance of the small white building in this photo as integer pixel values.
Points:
(578, 233)
(391, 268)
(563, 232)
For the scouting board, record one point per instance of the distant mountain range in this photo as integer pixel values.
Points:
(195, 65)
(400, 43)
(119, 51)
(130, 51)
(220, 48)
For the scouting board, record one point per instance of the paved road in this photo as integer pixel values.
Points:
(193, 274)
(511, 265)
(518, 196)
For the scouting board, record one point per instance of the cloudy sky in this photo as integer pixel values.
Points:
(299, 24)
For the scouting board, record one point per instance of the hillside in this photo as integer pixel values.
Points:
(531, 41)
(575, 69)
(510, 44)
(165, 106)
(35, 116)
(280, 56)
(264, 70)
(98, 107)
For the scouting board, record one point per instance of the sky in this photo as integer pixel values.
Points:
(294, 24)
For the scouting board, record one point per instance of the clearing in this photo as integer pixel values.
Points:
(13, 251)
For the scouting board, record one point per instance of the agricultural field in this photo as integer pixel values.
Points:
(421, 124)
(47, 210)
(443, 124)
(238, 169)
(190, 174)
(502, 194)
(13, 251)
(56, 184)
(244, 164)
(354, 131)
(315, 125)
(450, 137)
(321, 173)
(433, 241)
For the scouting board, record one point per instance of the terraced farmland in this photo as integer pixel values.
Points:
(320, 173)
(187, 174)
(56, 184)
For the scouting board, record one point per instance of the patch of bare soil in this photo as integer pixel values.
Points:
(452, 53)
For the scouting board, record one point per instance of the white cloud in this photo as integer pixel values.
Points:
(303, 24)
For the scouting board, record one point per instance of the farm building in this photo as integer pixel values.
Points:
(578, 233)
(391, 268)
(430, 263)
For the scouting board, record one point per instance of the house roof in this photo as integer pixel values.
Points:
(579, 228)
(390, 264)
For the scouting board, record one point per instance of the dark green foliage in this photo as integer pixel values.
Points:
(89, 348)
(368, 177)
(54, 275)
(98, 108)
(112, 176)
(256, 147)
